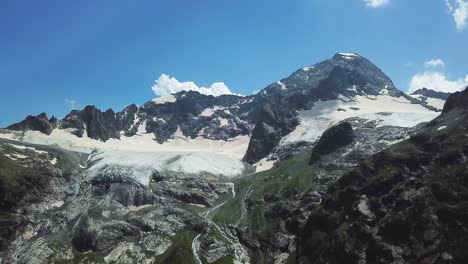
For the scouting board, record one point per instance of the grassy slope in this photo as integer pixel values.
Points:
(290, 178)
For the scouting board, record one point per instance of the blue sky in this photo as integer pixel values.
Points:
(109, 53)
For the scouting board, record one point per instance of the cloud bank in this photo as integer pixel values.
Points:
(459, 11)
(376, 3)
(166, 85)
(437, 81)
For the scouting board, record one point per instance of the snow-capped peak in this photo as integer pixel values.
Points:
(348, 55)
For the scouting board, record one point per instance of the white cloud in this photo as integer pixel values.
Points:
(166, 85)
(376, 3)
(449, 6)
(437, 81)
(434, 63)
(459, 10)
(71, 103)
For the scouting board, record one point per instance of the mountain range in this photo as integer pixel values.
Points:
(332, 164)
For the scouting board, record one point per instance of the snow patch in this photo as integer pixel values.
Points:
(165, 99)
(364, 209)
(133, 208)
(10, 156)
(28, 148)
(281, 85)
(348, 56)
(223, 121)
(385, 91)
(141, 128)
(353, 89)
(386, 110)
(434, 102)
(29, 234)
(211, 111)
(442, 127)
(264, 164)
(58, 204)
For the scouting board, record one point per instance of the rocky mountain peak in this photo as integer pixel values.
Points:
(458, 100)
(346, 56)
(39, 123)
(346, 74)
(431, 93)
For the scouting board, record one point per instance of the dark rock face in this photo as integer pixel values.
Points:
(431, 93)
(333, 138)
(458, 100)
(97, 124)
(36, 123)
(274, 123)
(406, 204)
(221, 117)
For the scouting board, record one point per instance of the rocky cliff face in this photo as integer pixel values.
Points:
(431, 93)
(403, 205)
(457, 101)
(333, 138)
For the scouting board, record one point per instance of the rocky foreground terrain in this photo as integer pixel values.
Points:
(406, 204)
(330, 165)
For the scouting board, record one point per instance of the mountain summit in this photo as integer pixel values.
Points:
(431, 98)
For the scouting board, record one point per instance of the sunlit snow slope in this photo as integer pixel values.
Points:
(387, 110)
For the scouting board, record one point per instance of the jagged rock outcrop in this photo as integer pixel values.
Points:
(97, 124)
(274, 122)
(36, 123)
(458, 100)
(222, 117)
(431, 93)
(333, 138)
(406, 204)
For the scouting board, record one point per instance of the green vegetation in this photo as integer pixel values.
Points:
(290, 178)
(180, 250)
(225, 260)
